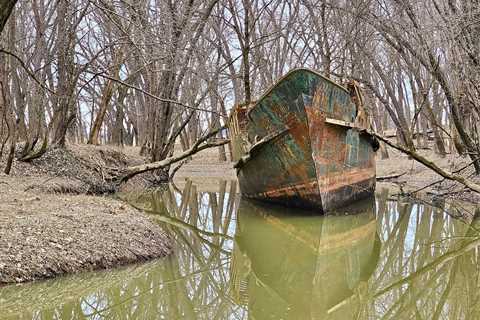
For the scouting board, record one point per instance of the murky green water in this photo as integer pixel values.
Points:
(238, 260)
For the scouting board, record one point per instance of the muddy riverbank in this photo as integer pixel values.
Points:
(415, 180)
(49, 226)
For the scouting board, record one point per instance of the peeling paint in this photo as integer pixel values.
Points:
(315, 164)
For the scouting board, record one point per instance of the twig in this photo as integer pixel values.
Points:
(441, 180)
(174, 171)
(448, 193)
(101, 74)
(35, 185)
(27, 70)
(392, 176)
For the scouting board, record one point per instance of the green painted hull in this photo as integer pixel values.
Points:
(304, 149)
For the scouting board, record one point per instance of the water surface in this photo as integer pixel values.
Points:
(240, 260)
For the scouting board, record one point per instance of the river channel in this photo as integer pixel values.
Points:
(234, 259)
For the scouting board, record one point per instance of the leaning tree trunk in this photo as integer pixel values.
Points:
(107, 94)
(105, 101)
(201, 144)
(164, 118)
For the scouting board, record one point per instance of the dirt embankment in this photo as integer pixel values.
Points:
(413, 179)
(49, 225)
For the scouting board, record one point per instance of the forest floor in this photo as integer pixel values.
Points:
(417, 181)
(50, 225)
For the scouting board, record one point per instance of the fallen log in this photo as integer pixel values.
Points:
(430, 164)
(200, 145)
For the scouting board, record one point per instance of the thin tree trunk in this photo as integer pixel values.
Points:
(62, 116)
(105, 101)
(246, 53)
(13, 143)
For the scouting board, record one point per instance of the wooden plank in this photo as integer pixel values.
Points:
(339, 123)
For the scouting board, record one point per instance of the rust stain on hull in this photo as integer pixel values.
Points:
(302, 145)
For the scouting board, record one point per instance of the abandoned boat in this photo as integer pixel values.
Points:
(304, 143)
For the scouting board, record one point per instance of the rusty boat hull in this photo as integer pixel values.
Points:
(304, 144)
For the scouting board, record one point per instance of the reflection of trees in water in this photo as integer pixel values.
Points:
(427, 268)
(191, 284)
(203, 226)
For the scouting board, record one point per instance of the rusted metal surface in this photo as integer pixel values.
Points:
(315, 163)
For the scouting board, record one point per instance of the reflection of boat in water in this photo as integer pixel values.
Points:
(302, 266)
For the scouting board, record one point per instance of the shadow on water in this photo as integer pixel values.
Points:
(240, 260)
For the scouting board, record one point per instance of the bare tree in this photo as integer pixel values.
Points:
(157, 74)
